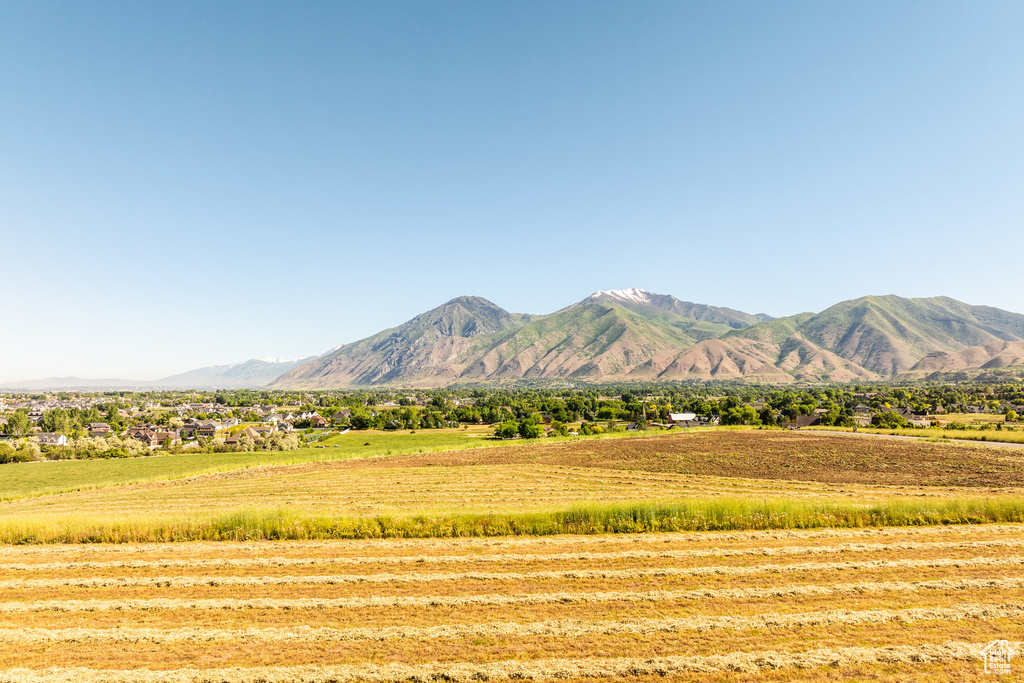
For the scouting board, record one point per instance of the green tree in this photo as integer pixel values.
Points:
(1011, 415)
(888, 419)
(507, 430)
(56, 420)
(18, 424)
(741, 415)
(360, 419)
(530, 430)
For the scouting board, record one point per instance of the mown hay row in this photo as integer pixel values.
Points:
(567, 628)
(736, 662)
(504, 558)
(441, 577)
(504, 598)
(258, 547)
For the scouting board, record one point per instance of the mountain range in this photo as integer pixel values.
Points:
(252, 373)
(633, 335)
(637, 336)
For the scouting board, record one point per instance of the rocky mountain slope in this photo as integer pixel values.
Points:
(636, 335)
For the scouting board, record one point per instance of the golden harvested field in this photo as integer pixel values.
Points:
(536, 477)
(878, 604)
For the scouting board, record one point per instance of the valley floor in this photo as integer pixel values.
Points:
(876, 602)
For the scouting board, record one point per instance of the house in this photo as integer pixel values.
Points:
(905, 413)
(248, 431)
(51, 439)
(682, 419)
(188, 431)
(803, 421)
(207, 428)
(99, 429)
(318, 421)
(151, 437)
(262, 430)
(285, 427)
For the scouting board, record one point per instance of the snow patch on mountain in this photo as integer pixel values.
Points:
(640, 296)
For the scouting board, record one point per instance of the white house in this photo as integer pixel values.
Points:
(51, 439)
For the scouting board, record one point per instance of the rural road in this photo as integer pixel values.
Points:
(997, 444)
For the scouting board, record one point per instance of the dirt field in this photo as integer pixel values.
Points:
(890, 604)
(755, 454)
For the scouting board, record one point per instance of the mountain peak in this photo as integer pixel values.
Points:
(634, 294)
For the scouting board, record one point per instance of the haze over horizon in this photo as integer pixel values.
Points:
(188, 185)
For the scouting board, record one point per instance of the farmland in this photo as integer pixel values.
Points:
(886, 604)
(810, 575)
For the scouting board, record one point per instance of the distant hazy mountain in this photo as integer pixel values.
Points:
(75, 384)
(249, 374)
(636, 335)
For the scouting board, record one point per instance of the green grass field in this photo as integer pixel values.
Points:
(22, 480)
(19, 480)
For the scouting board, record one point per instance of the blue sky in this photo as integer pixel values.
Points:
(184, 184)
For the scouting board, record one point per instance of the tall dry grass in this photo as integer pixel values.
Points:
(642, 517)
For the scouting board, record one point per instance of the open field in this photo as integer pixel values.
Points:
(809, 577)
(880, 604)
(19, 480)
(678, 481)
(1009, 435)
(27, 479)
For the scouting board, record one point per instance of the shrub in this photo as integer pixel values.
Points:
(888, 419)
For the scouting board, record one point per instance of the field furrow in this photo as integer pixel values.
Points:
(507, 599)
(557, 628)
(508, 558)
(463, 577)
(738, 662)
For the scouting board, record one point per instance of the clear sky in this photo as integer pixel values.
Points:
(191, 183)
